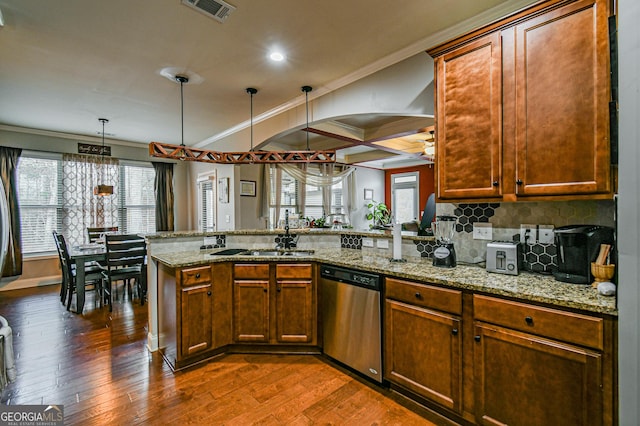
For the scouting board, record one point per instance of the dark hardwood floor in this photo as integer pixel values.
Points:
(98, 367)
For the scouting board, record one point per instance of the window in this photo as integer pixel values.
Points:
(207, 203)
(404, 196)
(43, 204)
(313, 201)
(288, 193)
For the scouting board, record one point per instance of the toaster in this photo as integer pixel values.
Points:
(504, 257)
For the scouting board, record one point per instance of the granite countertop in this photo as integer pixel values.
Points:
(373, 233)
(526, 286)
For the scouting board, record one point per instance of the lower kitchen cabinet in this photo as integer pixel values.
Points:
(251, 286)
(423, 344)
(274, 303)
(295, 311)
(194, 318)
(540, 366)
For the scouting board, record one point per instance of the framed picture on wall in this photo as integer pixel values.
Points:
(223, 190)
(248, 188)
(368, 194)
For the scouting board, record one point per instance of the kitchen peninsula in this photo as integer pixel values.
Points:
(473, 318)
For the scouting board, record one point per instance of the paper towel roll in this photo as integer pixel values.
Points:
(397, 241)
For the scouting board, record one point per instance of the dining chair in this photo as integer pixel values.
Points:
(95, 233)
(92, 274)
(126, 260)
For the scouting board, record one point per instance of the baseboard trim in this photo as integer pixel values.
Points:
(7, 284)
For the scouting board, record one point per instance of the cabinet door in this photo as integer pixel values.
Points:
(251, 310)
(562, 93)
(468, 121)
(196, 317)
(294, 311)
(525, 380)
(423, 352)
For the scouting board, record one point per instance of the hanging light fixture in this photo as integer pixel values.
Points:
(101, 189)
(306, 90)
(182, 79)
(181, 152)
(430, 146)
(251, 91)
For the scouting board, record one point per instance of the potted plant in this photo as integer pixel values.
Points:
(379, 214)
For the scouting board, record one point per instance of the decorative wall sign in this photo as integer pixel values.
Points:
(86, 148)
(368, 194)
(248, 188)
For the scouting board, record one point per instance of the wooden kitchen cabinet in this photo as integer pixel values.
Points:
(554, 371)
(294, 303)
(251, 303)
(274, 303)
(423, 341)
(522, 106)
(194, 318)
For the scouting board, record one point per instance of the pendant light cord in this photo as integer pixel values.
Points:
(103, 121)
(182, 80)
(251, 91)
(306, 90)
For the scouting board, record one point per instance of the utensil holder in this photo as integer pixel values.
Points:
(602, 273)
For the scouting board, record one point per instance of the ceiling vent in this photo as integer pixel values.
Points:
(216, 9)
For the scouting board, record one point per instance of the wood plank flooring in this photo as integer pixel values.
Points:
(98, 367)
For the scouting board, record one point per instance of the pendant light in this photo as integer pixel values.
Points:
(306, 90)
(251, 91)
(101, 189)
(182, 79)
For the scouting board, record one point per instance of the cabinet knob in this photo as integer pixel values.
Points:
(209, 293)
(496, 183)
(418, 295)
(476, 338)
(528, 320)
(265, 290)
(198, 275)
(519, 182)
(454, 331)
(279, 288)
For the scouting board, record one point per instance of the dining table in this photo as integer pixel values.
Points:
(82, 255)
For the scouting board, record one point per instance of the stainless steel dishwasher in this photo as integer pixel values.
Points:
(351, 322)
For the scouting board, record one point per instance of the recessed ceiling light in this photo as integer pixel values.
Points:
(276, 56)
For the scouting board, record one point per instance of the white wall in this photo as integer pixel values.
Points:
(370, 179)
(628, 217)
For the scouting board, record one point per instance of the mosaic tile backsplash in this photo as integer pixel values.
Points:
(506, 219)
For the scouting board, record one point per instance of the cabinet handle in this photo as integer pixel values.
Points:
(454, 331)
(528, 320)
(496, 183)
(418, 295)
(519, 182)
(476, 338)
(198, 275)
(279, 288)
(209, 293)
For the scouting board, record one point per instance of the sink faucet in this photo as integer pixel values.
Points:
(288, 241)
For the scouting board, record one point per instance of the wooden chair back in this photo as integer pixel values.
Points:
(124, 251)
(94, 233)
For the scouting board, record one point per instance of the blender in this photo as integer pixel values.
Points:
(444, 255)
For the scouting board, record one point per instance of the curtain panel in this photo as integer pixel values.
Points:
(8, 162)
(163, 187)
(80, 174)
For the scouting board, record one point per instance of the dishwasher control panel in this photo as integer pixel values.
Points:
(351, 276)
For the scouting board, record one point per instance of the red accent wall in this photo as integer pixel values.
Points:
(426, 179)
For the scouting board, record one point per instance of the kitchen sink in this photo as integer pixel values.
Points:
(278, 253)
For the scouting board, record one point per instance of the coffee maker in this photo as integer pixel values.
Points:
(577, 246)
(444, 254)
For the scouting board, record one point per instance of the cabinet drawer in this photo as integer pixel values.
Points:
(251, 271)
(199, 275)
(442, 299)
(566, 326)
(293, 270)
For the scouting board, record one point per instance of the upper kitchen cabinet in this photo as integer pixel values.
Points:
(522, 106)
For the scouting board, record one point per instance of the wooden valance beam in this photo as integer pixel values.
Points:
(179, 152)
